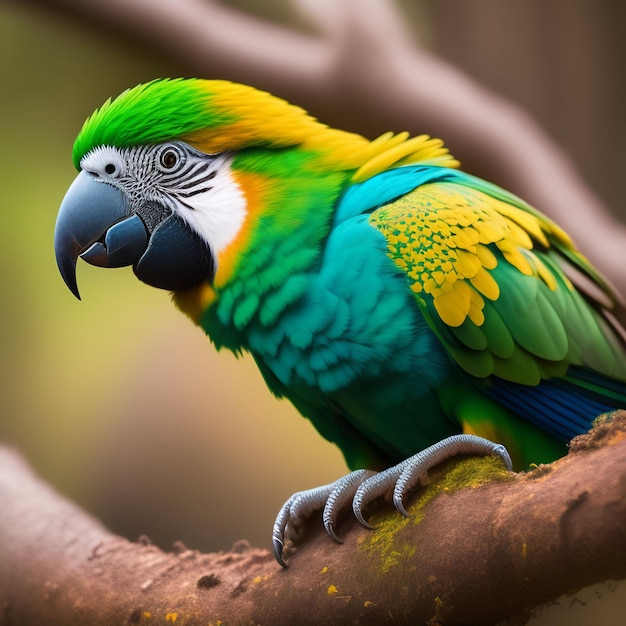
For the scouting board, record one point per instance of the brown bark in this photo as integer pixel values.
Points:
(479, 547)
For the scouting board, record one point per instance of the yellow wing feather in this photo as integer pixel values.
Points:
(439, 235)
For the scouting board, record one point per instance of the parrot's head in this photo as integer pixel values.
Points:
(156, 187)
(173, 172)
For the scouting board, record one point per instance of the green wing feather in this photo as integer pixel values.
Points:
(490, 274)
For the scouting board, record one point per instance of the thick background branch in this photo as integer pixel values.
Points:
(467, 555)
(360, 71)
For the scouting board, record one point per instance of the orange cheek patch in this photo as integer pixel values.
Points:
(255, 188)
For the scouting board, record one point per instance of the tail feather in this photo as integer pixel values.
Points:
(562, 407)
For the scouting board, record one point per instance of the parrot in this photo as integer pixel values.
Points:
(410, 310)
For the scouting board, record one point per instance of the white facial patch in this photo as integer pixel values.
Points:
(200, 188)
(217, 214)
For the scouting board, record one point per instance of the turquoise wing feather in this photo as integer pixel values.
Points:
(349, 352)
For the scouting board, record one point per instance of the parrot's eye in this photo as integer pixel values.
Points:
(169, 159)
(110, 168)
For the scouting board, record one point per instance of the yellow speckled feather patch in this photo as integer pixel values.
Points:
(440, 236)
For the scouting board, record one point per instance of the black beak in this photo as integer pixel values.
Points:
(95, 222)
(88, 209)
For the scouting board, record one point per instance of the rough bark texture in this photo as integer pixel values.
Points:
(480, 546)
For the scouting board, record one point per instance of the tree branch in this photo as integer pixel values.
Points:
(480, 546)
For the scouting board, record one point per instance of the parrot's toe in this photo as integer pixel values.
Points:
(412, 471)
(341, 495)
(296, 509)
(362, 487)
(415, 467)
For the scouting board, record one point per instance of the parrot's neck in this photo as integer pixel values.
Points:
(290, 203)
(290, 196)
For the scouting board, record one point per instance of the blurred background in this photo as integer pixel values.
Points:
(118, 401)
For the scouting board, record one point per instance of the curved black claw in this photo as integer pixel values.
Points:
(363, 486)
(340, 496)
(295, 510)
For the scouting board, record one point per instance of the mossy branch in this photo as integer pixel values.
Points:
(480, 546)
